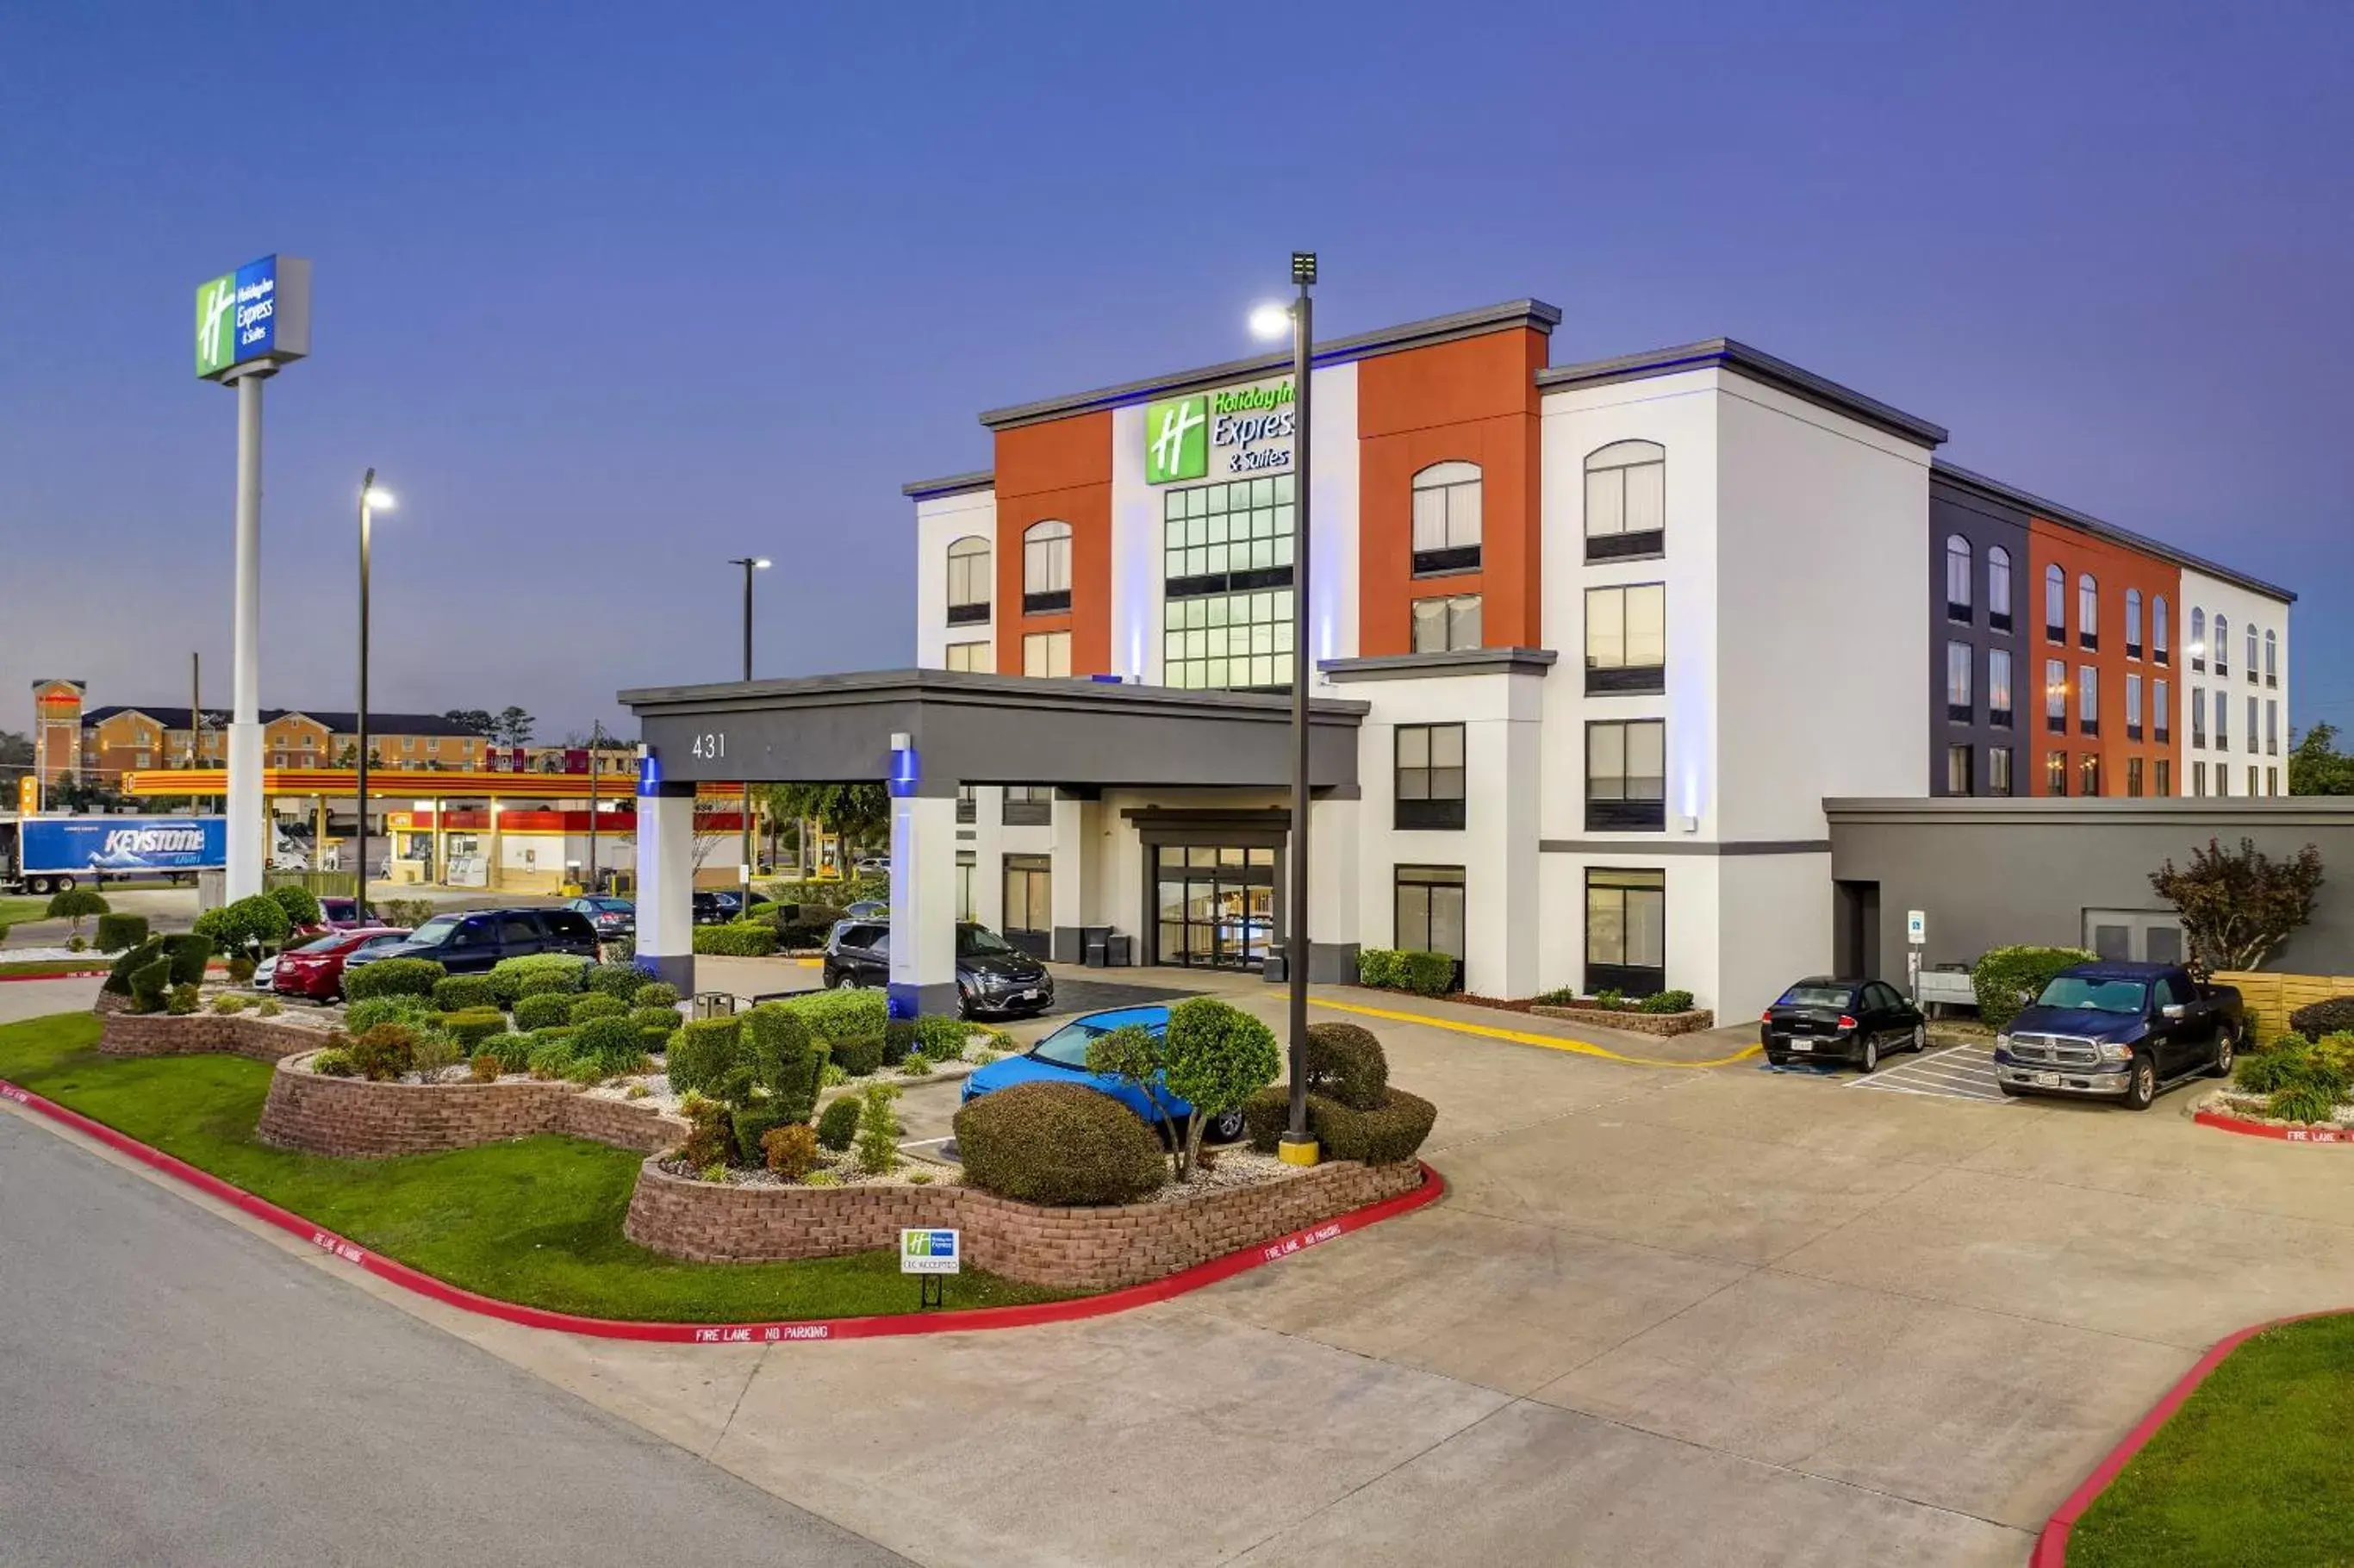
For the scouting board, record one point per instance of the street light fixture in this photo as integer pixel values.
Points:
(750, 564)
(373, 499)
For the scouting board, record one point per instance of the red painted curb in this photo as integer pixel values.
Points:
(62, 974)
(2230, 1123)
(955, 1321)
(2051, 1544)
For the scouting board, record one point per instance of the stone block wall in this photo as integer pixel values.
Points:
(202, 1034)
(353, 1118)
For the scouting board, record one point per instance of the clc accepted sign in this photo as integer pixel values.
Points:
(931, 1252)
(261, 311)
(1232, 433)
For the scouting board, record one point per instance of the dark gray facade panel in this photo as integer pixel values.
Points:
(1992, 873)
(1671, 845)
(1454, 661)
(1986, 521)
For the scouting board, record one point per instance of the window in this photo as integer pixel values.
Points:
(967, 862)
(2198, 779)
(973, 658)
(2133, 707)
(2088, 699)
(2198, 638)
(1957, 578)
(1627, 638)
(2223, 646)
(2252, 781)
(2271, 726)
(2272, 658)
(2157, 649)
(1429, 904)
(1625, 501)
(1997, 770)
(1046, 653)
(2133, 776)
(1429, 776)
(2055, 773)
(2088, 775)
(2250, 660)
(1229, 642)
(1957, 768)
(1446, 518)
(969, 581)
(1959, 708)
(1626, 776)
(2251, 728)
(2055, 696)
(1625, 930)
(2162, 775)
(1999, 686)
(1997, 587)
(1045, 568)
(2161, 713)
(967, 804)
(1029, 899)
(2272, 780)
(2132, 623)
(2088, 611)
(2223, 722)
(1027, 806)
(2199, 716)
(2056, 604)
(1442, 624)
(1221, 538)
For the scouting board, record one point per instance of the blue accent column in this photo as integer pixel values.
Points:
(665, 945)
(923, 889)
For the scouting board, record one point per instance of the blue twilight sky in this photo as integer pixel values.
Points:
(611, 293)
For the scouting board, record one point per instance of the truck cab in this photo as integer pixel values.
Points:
(2121, 1032)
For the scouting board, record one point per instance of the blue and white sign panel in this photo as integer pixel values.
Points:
(261, 311)
(124, 843)
(931, 1252)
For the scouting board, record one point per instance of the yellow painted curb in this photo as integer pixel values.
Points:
(1521, 1037)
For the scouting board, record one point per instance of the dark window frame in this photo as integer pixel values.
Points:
(1430, 812)
(1624, 814)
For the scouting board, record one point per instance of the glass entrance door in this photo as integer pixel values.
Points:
(1216, 904)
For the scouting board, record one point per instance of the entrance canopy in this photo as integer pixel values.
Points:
(988, 729)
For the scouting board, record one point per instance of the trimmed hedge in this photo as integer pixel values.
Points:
(807, 925)
(898, 1040)
(657, 993)
(464, 993)
(2334, 1016)
(2007, 979)
(597, 1004)
(259, 920)
(701, 1054)
(1666, 1001)
(1381, 1137)
(539, 1010)
(736, 939)
(940, 1038)
(392, 977)
(664, 1020)
(619, 981)
(469, 1027)
(117, 933)
(189, 954)
(148, 983)
(838, 1015)
(837, 1127)
(1346, 1064)
(538, 974)
(858, 1055)
(754, 1122)
(1425, 974)
(1058, 1144)
(118, 979)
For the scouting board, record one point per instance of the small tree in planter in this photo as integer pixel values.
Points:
(76, 904)
(1138, 1057)
(2238, 908)
(1216, 1057)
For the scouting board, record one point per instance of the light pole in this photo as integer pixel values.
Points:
(596, 743)
(750, 564)
(1296, 1146)
(372, 500)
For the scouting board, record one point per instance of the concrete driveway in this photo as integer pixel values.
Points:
(1664, 1316)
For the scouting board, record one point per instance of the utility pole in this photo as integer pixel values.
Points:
(596, 734)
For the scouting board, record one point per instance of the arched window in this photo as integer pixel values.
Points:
(2221, 646)
(2158, 649)
(1958, 577)
(2252, 651)
(2132, 623)
(2272, 658)
(1446, 518)
(2198, 638)
(2056, 604)
(1625, 501)
(1997, 587)
(1045, 568)
(2088, 611)
(969, 580)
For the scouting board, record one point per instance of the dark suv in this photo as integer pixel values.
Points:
(993, 977)
(467, 941)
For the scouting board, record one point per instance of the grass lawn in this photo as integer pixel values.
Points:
(96, 963)
(537, 1221)
(19, 911)
(2253, 1469)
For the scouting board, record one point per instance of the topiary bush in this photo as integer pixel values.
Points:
(619, 981)
(2312, 1021)
(654, 993)
(1216, 1057)
(736, 939)
(538, 974)
(701, 1054)
(392, 977)
(76, 904)
(464, 993)
(597, 1004)
(1346, 1064)
(118, 978)
(754, 1122)
(150, 985)
(1380, 967)
(302, 905)
(540, 1010)
(116, 933)
(859, 1055)
(837, 1126)
(2007, 979)
(899, 1039)
(1427, 974)
(471, 1026)
(613, 1045)
(1268, 1116)
(1381, 1137)
(1056, 1144)
(259, 921)
(189, 953)
(786, 1056)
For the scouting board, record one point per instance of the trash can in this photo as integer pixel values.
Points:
(1092, 941)
(1094, 956)
(1120, 952)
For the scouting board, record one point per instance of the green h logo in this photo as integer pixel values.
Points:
(1176, 440)
(217, 324)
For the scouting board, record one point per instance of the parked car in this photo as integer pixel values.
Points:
(2120, 1031)
(868, 909)
(470, 941)
(339, 914)
(717, 907)
(610, 917)
(994, 978)
(265, 972)
(874, 865)
(1823, 1019)
(315, 969)
(1062, 1058)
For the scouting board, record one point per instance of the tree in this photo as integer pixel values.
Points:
(477, 721)
(1216, 1057)
(855, 811)
(513, 726)
(2238, 908)
(15, 750)
(73, 905)
(1138, 1057)
(2316, 765)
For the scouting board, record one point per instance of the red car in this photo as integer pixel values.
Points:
(315, 969)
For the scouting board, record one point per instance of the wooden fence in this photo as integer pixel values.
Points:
(2271, 998)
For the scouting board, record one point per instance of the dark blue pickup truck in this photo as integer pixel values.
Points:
(2119, 1031)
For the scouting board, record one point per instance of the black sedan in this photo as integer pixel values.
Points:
(715, 906)
(994, 978)
(1826, 1019)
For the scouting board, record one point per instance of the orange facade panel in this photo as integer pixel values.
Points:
(2068, 754)
(1056, 471)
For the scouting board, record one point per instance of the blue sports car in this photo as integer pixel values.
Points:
(1062, 1058)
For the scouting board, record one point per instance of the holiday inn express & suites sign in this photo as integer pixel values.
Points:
(261, 311)
(1232, 433)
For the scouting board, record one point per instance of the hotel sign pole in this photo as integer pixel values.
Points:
(1297, 1146)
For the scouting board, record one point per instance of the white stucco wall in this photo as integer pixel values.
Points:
(2244, 608)
(939, 522)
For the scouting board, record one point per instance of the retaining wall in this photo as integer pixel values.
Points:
(1661, 1023)
(353, 1118)
(204, 1035)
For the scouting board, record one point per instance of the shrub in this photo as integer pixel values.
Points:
(786, 1056)
(189, 954)
(839, 1015)
(1381, 1137)
(482, 1067)
(2238, 907)
(333, 1064)
(1427, 974)
(232, 1002)
(916, 1065)
(385, 1052)
(878, 1131)
(392, 977)
(1666, 1001)
(701, 1054)
(149, 982)
(1268, 1115)
(619, 981)
(753, 1124)
(736, 939)
(2312, 1021)
(899, 1039)
(940, 1038)
(539, 974)
(302, 905)
(1136, 1056)
(1060, 1144)
(808, 925)
(2007, 979)
(662, 1021)
(256, 921)
(469, 1028)
(464, 993)
(1217, 1056)
(118, 978)
(77, 904)
(791, 1150)
(738, 1085)
(837, 1124)
(550, 1055)
(240, 968)
(1380, 967)
(2262, 1073)
(375, 1009)
(654, 993)
(539, 1011)
(268, 1007)
(435, 1050)
(597, 1004)
(1346, 1064)
(2337, 1050)
(613, 1045)
(409, 912)
(860, 1055)
(116, 932)
(711, 1135)
(2302, 1102)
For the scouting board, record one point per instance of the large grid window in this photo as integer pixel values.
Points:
(1226, 557)
(1046, 653)
(1447, 517)
(969, 581)
(1627, 638)
(1441, 624)
(1625, 501)
(975, 658)
(1429, 908)
(1626, 775)
(1045, 568)
(1430, 777)
(1625, 930)
(1231, 640)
